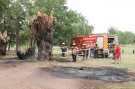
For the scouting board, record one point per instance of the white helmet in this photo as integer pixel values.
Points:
(84, 44)
(73, 44)
(63, 43)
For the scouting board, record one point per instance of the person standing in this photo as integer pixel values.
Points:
(85, 52)
(74, 49)
(113, 50)
(63, 49)
(117, 53)
(96, 48)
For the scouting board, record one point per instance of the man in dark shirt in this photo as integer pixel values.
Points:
(63, 49)
(96, 48)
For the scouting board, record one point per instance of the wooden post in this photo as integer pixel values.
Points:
(122, 51)
(89, 53)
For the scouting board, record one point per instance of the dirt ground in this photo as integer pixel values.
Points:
(16, 74)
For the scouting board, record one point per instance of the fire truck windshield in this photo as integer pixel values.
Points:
(110, 40)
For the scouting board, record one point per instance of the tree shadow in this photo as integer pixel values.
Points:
(8, 62)
(12, 62)
(62, 60)
(108, 74)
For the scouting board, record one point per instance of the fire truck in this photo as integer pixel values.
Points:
(105, 43)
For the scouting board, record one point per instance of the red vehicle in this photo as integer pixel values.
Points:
(104, 41)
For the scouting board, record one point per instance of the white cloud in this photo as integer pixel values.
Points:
(103, 14)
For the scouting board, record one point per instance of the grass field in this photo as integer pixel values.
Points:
(127, 64)
(127, 58)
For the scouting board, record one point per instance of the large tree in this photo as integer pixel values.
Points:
(4, 38)
(69, 22)
(42, 26)
(17, 12)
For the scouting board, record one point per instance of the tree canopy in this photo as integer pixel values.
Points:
(15, 14)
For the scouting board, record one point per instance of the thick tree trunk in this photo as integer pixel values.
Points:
(17, 44)
(31, 40)
(45, 48)
(3, 47)
(9, 44)
(3, 42)
(42, 51)
(42, 27)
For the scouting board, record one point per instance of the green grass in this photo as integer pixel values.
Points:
(127, 62)
(127, 59)
(128, 49)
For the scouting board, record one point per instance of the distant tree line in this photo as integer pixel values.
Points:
(124, 38)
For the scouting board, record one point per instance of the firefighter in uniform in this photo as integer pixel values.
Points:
(85, 52)
(96, 48)
(63, 49)
(74, 49)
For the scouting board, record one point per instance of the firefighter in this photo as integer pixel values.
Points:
(63, 49)
(96, 48)
(74, 49)
(85, 52)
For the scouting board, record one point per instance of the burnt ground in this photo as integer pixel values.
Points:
(14, 74)
(107, 74)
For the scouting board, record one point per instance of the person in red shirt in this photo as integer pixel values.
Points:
(117, 52)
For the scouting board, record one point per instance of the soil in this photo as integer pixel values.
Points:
(15, 74)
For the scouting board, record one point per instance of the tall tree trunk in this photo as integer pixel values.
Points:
(17, 44)
(3, 47)
(34, 42)
(42, 27)
(31, 40)
(9, 46)
(17, 34)
(3, 42)
(44, 50)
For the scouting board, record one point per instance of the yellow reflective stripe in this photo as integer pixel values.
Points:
(105, 42)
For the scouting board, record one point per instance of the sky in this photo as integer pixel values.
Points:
(103, 14)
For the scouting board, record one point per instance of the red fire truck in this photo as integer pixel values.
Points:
(104, 41)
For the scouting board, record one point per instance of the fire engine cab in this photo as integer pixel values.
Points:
(105, 43)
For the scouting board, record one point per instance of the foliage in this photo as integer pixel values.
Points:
(14, 20)
(69, 23)
(126, 37)
(17, 12)
(4, 5)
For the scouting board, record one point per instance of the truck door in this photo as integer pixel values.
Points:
(100, 42)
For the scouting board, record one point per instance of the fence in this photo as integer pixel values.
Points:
(57, 51)
(128, 49)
